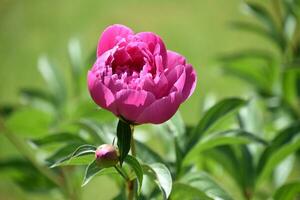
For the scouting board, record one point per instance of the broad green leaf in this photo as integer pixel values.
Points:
(25, 175)
(184, 191)
(78, 157)
(213, 115)
(289, 191)
(124, 135)
(29, 122)
(289, 86)
(146, 154)
(222, 138)
(135, 165)
(161, 175)
(57, 138)
(38, 99)
(276, 157)
(53, 78)
(283, 137)
(256, 68)
(203, 182)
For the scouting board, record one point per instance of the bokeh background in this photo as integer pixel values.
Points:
(198, 29)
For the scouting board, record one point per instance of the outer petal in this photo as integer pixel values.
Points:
(155, 44)
(175, 59)
(110, 37)
(131, 103)
(190, 82)
(100, 93)
(161, 110)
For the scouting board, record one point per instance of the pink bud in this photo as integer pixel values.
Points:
(107, 156)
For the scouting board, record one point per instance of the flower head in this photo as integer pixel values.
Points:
(137, 78)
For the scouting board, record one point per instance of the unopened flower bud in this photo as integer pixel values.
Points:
(107, 156)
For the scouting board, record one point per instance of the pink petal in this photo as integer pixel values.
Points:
(130, 103)
(155, 45)
(100, 93)
(161, 110)
(110, 37)
(174, 74)
(190, 82)
(175, 59)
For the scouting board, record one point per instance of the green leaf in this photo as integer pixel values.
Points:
(73, 159)
(282, 138)
(75, 56)
(63, 153)
(203, 182)
(262, 14)
(57, 138)
(161, 175)
(91, 171)
(276, 157)
(53, 78)
(213, 115)
(222, 138)
(94, 170)
(146, 154)
(184, 191)
(124, 139)
(288, 191)
(29, 122)
(134, 163)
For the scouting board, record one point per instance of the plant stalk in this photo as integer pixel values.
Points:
(131, 183)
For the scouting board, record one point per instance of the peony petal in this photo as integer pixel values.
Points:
(110, 37)
(161, 110)
(174, 74)
(190, 82)
(130, 103)
(100, 93)
(155, 45)
(175, 59)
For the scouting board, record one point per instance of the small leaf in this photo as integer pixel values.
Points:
(214, 114)
(63, 153)
(75, 56)
(79, 152)
(205, 183)
(94, 170)
(90, 172)
(162, 177)
(288, 191)
(124, 139)
(184, 191)
(53, 78)
(134, 163)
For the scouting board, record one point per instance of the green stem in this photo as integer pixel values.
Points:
(130, 183)
(28, 154)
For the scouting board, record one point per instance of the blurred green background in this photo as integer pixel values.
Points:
(198, 29)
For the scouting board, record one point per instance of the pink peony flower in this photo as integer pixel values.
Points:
(137, 78)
